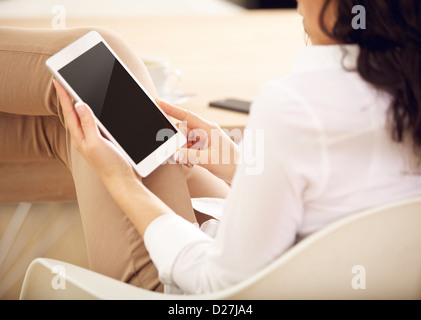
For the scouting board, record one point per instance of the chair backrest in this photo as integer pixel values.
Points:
(374, 254)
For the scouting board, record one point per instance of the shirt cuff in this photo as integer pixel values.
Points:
(213, 207)
(165, 238)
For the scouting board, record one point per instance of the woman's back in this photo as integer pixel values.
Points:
(359, 165)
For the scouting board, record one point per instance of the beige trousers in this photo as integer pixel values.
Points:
(32, 128)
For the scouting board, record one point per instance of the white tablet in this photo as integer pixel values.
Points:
(126, 114)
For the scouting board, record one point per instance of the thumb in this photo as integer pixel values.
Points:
(87, 121)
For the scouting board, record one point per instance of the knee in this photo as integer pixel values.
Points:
(127, 54)
(112, 37)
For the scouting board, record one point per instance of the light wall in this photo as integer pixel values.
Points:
(113, 8)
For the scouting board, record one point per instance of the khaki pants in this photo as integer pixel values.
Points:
(32, 128)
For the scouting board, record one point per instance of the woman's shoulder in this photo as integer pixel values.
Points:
(317, 81)
(336, 100)
(338, 89)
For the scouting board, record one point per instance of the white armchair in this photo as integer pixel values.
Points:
(374, 254)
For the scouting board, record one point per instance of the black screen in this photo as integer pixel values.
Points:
(117, 101)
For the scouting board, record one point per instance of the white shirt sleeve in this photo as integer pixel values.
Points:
(283, 154)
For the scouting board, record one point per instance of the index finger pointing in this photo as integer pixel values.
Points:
(192, 119)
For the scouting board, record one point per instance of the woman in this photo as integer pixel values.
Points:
(341, 134)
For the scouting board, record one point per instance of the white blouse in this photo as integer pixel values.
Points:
(326, 153)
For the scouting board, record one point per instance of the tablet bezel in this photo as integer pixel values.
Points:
(75, 50)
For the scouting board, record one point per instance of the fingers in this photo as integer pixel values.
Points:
(80, 119)
(193, 120)
(70, 115)
(191, 157)
(87, 122)
(183, 128)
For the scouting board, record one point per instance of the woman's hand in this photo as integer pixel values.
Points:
(100, 153)
(114, 170)
(208, 145)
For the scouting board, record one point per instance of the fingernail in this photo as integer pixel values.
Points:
(165, 102)
(80, 111)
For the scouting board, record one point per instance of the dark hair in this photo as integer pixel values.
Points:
(390, 57)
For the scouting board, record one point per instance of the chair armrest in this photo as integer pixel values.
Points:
(48, 279)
